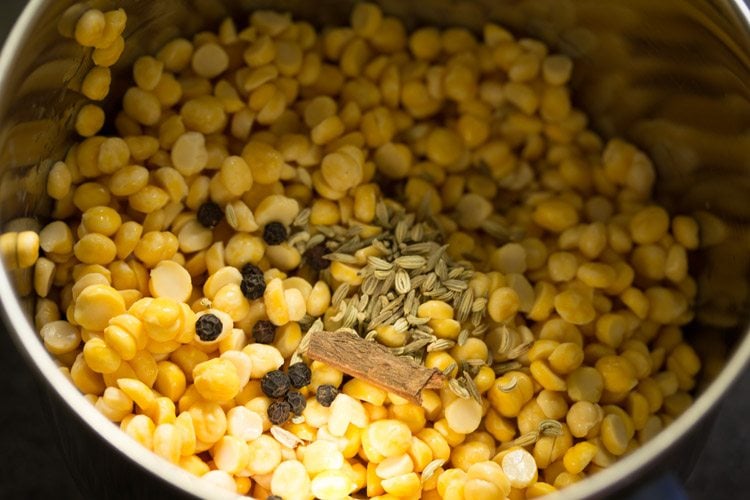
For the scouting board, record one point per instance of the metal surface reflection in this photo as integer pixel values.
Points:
(669, 75)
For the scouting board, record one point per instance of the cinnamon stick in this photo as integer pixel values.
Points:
(373, 363)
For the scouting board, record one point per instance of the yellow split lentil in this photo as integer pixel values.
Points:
(228, 140)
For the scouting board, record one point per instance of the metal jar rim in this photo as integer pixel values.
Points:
(27, 340)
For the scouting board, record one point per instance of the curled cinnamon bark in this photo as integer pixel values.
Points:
(373, 363)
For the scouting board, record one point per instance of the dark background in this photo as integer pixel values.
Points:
(31, 465)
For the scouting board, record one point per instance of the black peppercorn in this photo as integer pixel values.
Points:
(297, 402)
(274, 233)
(253, 286)
(274, 497)
(326, 394)
(264, 332)
(209, 214)
(208, 327)
(314, 257)
(299, 374)
(278, 412)
(275, 384)
(250, 270)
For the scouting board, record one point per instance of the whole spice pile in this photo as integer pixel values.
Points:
(359, 262)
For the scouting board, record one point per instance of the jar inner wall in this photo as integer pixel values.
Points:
(669, 76)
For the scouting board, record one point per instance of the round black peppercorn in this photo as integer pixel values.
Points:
(279, 412)
(264, 332)
(297, 402)
(314, 257)
(209, 214)
(274, 497)
(299, 374)
(274, 233)
(250, 270)
(326, 394)
(253, 286)
(208, 327)
(275, 384)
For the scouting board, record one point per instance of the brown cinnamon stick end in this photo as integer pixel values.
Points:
(436, 380)
(373, 363)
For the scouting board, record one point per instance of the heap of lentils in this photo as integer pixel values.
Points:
(186, 256)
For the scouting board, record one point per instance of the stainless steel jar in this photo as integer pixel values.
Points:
(672, 76)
